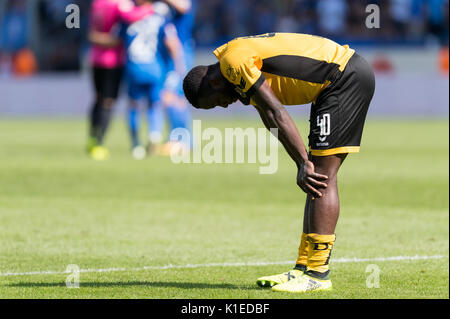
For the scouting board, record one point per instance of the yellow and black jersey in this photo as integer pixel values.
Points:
(296, 66)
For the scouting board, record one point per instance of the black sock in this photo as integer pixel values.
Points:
(300, 267)
(94, 117)
(105, 118)
(318, 275)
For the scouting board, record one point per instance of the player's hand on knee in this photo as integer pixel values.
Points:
(310, 181)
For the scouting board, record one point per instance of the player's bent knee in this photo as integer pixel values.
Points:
(328, 165)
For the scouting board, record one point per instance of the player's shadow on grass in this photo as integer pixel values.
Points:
(161, 284)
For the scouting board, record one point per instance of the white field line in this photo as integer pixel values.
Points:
(226, 264)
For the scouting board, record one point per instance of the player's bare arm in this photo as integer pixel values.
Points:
(103, 39)
(175, 48)
(275, 115)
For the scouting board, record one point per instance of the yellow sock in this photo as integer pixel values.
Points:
(319, 252)
(302, 254)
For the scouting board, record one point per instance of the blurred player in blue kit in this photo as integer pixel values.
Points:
(153, 49)
(178, 113)
(159, 49)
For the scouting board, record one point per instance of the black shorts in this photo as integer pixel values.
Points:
(107, 81)
(338, 115)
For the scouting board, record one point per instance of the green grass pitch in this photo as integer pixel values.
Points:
(57, 207)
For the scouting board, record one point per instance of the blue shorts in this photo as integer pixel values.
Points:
(151, 91)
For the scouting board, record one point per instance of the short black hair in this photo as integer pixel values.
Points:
(194, 83)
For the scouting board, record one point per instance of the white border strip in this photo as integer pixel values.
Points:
(238, 264)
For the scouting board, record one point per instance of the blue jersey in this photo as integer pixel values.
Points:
(147, 54)
(184, 23)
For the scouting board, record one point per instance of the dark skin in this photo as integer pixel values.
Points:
(316, 176)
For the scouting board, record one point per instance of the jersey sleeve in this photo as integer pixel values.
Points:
(242, 68)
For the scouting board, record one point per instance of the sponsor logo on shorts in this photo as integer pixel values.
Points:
(323, 144)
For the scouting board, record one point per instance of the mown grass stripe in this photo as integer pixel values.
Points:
(207, 265)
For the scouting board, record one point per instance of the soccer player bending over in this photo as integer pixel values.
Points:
(273, 69)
